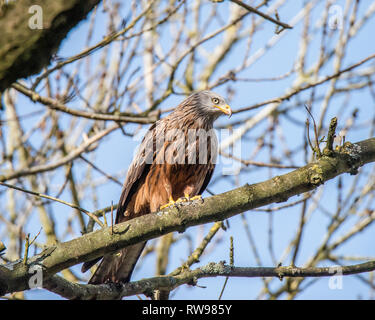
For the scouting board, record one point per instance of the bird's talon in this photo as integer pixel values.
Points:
(182, 199)
(168, 205)
(171, 203)
(198, 197)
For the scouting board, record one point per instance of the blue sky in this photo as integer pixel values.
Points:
(116, 151)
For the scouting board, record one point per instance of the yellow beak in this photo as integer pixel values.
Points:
(226, 109)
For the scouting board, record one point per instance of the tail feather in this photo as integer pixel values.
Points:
(88, 264)
(119, 266)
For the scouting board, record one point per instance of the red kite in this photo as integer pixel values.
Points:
(175, 161)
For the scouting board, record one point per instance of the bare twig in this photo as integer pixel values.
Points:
(231, 258)
(263, 15)
(317, 144)
(56, 105)
(330, 137)
(41, 195)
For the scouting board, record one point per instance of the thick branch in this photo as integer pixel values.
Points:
(71, 290)
(215, 208)
(24, 51)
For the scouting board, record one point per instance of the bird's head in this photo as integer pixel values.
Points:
(213, 104)
(203, 106)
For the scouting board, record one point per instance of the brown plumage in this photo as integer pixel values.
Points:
(176, 159)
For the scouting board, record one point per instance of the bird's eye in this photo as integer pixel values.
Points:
(215, 100)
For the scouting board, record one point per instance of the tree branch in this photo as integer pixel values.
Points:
(25, 51)
(263, 15)
(56, 105)
(219, 207)
(75, 153)
(71, 290)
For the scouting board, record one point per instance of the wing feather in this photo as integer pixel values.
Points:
(212, 151)
(138, 169)
(207, 178)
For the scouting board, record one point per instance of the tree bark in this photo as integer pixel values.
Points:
(71, 290)
(24, 51)
(223, 206)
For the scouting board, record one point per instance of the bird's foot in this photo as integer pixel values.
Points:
(198, 197)
(187, 198)
(171, 203)
(181, 201)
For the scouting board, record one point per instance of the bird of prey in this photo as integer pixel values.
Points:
(174, 162)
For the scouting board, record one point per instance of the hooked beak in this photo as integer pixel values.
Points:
(226, 109)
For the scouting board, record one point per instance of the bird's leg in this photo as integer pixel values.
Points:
(169, 204)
